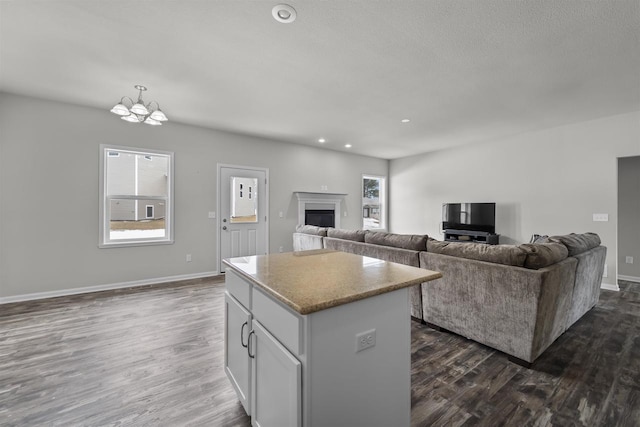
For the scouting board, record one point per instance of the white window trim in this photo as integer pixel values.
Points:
(383, 201)
(104, 240)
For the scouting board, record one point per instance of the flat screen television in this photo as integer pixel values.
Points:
(469, 216)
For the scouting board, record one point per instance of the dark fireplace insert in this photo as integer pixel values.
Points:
(320, 217)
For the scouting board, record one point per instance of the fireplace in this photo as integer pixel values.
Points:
(320, 217)
(321, 206)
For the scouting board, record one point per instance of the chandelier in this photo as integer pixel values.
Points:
(139, 112)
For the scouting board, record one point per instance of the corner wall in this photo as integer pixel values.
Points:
(545, 182)
(49, 158)
(629, 217)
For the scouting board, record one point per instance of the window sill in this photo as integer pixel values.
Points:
(136, 243)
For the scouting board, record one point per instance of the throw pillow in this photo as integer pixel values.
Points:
(497, 254)
(414, 242)
(540, 255)
(355, 235)
(578, 243)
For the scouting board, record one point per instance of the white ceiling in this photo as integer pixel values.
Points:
(463, 71)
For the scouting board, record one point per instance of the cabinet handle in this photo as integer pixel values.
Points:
(242, 335)
(249, 344)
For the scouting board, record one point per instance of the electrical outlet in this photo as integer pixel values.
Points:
(365, 340)
(281, 214)
(280, 249)
(188, 257)
(629, 260)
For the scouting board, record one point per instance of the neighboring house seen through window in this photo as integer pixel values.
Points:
(136, 196)
(373, 202)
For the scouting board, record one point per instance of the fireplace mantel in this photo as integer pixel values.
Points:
(318, 194)
(323, 200)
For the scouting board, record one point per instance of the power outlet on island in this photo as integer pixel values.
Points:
(365, 340)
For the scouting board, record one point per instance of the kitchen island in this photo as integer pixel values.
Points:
(320, 338)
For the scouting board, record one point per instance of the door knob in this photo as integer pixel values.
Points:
(224, 227)
(224, 219)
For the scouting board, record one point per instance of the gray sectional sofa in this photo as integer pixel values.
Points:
(516, 299)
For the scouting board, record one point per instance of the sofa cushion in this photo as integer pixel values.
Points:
(578, 243)
(413, 242)
(355, 235)
(540, 255)
(498, 254)
(312, 229)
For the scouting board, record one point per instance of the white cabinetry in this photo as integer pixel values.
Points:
(276, 398)
(305, 370)
(237, 363)
(265, 375)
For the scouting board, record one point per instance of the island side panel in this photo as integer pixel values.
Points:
(367, 388)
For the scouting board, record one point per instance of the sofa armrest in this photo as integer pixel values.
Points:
(306, 242)
(588, 282)
(513, 309)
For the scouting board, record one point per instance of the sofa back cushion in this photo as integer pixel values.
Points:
(498, 254)
(540, 255)
(578, 243)
(312, 229)
(355, 235)
(414, 242)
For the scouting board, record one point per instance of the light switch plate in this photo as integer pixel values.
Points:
(601, 217)
(212, 214)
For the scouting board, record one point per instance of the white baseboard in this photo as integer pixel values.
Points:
(107, 287)
(610, 287)
(629, 278)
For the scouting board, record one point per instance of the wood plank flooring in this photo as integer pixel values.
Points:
(153, 356)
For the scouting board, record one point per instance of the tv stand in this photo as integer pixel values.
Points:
(468, 236)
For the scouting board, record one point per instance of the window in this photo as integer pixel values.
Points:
(136, 194)
(373, 202)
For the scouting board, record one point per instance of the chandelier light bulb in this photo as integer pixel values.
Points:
(120, 110)
(139, 108)
(159, 116)
(152, 122)
(131, 118)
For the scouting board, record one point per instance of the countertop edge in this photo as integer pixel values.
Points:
(312, 308)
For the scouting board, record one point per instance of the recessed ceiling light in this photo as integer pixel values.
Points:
(322, 140)
(283, 13)
(405, 120)
(347, 145)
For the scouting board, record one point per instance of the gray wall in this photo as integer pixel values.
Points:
(545, 182)
(49, 157)
(629, 215)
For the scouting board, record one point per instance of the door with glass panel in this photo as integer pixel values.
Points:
(243, 204)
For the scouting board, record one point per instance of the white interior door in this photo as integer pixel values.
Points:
(243, 205)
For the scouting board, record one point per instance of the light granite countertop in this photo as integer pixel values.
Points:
(310, 281)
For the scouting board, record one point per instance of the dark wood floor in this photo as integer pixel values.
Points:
(154, 356)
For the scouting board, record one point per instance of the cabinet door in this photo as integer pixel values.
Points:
(276, 377)
(237, 363)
